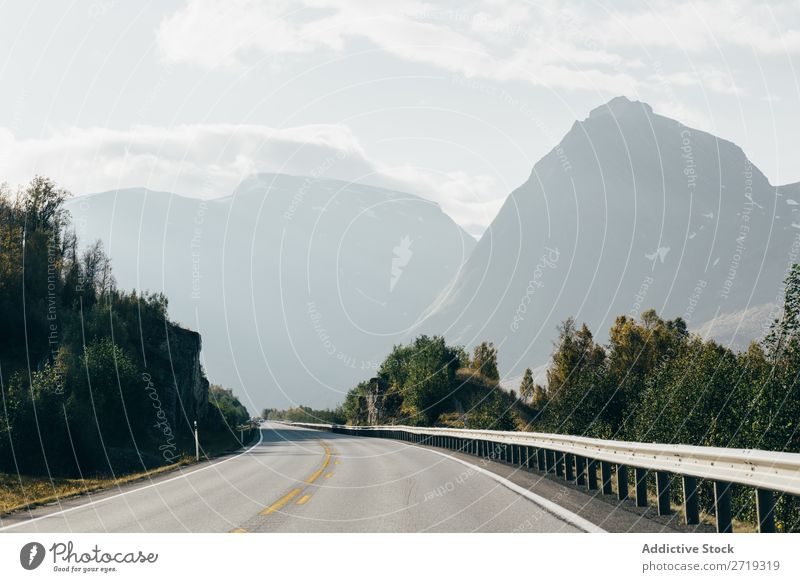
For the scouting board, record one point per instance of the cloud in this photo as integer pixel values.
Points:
(471, 200)
(570, 45)
(214, 34)
(193, 160)
(208, 161)
(205, 34)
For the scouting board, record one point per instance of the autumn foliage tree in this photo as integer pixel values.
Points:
(484, 360)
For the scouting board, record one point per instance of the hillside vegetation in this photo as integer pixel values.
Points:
(428, 383)
(652, 382)
(95, 380)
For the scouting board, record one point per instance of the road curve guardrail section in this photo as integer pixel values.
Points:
(577, 459)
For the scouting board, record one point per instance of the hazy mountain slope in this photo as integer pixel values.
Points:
(631, 210)
(297, 285)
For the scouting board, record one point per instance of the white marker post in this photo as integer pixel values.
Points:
(196, 442)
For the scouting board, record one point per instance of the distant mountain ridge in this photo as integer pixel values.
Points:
(297, 284)
(631, 210)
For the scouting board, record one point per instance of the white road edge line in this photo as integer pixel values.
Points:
(93, 503)
(553, 508)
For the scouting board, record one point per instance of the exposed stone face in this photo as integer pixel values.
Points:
(375, 401)
(184, 387)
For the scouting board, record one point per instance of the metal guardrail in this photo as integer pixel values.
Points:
(577, 459)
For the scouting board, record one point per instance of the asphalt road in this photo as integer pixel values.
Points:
(297, 480)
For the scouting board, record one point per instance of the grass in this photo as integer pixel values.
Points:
(23, 491)
(739, 526)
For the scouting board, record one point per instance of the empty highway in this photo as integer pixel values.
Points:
(298, 480)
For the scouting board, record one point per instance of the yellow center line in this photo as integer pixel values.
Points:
(238, 530)
(321, 470)
(281, 502)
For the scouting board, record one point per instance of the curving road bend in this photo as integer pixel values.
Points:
(298, 480)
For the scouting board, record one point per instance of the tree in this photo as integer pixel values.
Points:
(492, 412)
(232, 413)
(526, 386)
(636, 350)
(484, 360)
(539, 399)
(431, 376)
(72, 348)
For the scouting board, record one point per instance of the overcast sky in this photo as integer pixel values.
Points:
(454, 101)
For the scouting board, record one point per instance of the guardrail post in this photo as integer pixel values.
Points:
(690, 504)
(580, 470)
(605, 477)
(541, 463)
(765, 510)
(550, 461)
(622, 482)
(662, 492)
(559, 464)
(569, 466)
(591, 473)
(722, 506)
(641, 487)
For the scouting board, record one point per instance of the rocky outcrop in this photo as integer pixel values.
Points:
(181, 382)
(375, 401)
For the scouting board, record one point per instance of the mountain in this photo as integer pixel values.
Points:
(631, 210)
(299, 286)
